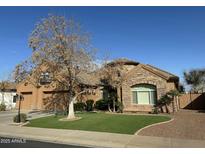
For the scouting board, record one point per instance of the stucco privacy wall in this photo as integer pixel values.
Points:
(141, 76)
(192, 101)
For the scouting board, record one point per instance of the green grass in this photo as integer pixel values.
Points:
(101, 122)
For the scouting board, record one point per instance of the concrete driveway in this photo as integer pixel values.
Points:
(6, 117)
(187, 124)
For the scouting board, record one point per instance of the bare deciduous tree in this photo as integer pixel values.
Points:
(61, 49)
(112, 75)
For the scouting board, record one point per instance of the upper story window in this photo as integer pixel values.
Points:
(45, 78)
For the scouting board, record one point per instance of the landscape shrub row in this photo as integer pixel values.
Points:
(2, 107)
(101, 104)
(87, 106)
(23, 118)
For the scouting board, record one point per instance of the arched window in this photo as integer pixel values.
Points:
(144, 94)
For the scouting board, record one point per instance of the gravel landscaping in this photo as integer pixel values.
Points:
(187, 124)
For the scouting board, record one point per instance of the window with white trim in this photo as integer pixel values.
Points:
(144, 94)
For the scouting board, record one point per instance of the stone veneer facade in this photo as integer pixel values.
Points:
(139, 75)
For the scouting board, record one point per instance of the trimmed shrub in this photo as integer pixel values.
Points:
(119, 107)
(79, 106)
(23, 118)
(155, 110)
(89, 105)
(101, 105)
(2, 107)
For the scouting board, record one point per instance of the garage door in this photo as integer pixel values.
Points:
(26, 104)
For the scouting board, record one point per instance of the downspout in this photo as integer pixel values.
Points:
(121, 94)
(36, 99)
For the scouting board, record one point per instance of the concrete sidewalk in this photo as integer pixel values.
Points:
(96, 139)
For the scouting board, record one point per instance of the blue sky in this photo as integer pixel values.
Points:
(171, 38)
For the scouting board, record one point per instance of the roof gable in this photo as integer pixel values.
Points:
(155, 71)
(164, 74)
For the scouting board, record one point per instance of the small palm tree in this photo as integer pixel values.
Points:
(168, 98)
(173, 94)
(165, 100)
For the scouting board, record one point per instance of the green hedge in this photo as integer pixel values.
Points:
(101, 105)
(23, 118)
(89, 105)
(80, 106)
(119, 107)
(2, 107)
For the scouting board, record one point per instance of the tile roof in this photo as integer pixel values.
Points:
(124, 61)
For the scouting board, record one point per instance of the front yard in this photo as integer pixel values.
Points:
(101, 122)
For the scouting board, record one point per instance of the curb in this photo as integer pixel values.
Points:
(19, 124)
(164, 122)
(140, 114)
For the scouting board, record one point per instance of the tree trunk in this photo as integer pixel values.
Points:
(177, 102)
(114, 110)
(55, 109)
(173, 107)
(109, 108)
(71, 114)
(167, 108)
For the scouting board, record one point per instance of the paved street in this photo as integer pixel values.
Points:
(6, 142)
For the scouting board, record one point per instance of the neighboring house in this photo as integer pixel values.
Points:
(7, 96)
(143, 86)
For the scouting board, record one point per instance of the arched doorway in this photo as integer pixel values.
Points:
(144, 94)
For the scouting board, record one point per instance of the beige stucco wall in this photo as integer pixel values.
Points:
(95, 95)
(34, 97)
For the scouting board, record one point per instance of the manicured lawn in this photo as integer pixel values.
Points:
(101, 122)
